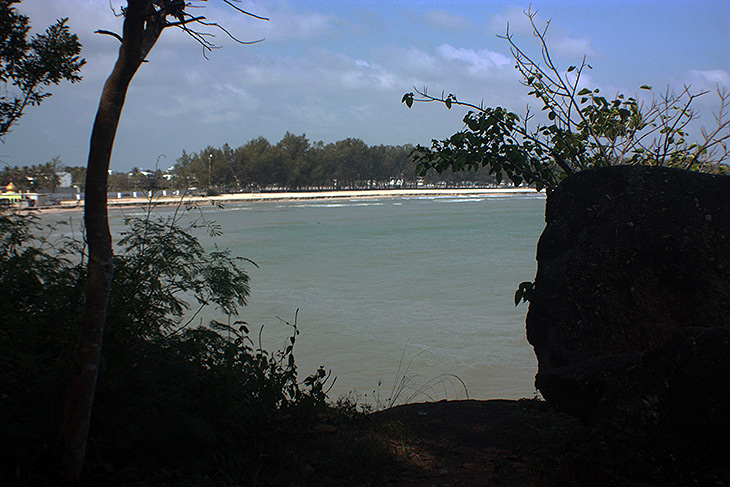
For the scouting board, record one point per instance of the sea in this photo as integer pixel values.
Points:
(400, 299)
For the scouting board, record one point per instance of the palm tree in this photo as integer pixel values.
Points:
(49, 174)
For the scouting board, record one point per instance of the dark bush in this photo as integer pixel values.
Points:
(175, 398)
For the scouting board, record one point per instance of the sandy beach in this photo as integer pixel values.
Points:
(303, 195)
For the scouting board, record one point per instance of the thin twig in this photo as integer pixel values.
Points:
(109, 33)
(229, 2)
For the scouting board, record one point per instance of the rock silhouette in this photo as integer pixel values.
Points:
(629, 316)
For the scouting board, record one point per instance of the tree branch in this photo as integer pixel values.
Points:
(109, 33)
(230, 3)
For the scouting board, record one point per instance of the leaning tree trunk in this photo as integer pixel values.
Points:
(141, 30)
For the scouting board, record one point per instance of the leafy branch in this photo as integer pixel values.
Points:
(581, 129)
(27, 67)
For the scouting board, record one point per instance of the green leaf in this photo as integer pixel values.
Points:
(448, 103)
(571, 68)
(407, 99)
(584, 91)
(524, 292)
(645, 87)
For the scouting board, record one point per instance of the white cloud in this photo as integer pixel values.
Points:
(479, 62)
(289, 27)
(558, 40)
(408, 64)
(222, 103)
(710, 78)
(585, 81)
(330, 69)
(445, 20)
(285, 23)
(570, 46)
(515, 18)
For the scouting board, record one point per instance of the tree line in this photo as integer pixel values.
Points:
(39, 178)
(295, 163)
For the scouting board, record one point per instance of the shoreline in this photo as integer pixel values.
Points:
(292, 196)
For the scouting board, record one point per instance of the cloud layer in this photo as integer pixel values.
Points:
(331, 70)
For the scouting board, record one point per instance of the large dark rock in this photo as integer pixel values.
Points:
(670, 413)
(630, 256)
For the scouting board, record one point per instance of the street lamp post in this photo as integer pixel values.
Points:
(210, 159)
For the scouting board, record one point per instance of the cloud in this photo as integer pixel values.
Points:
(329, 69)
(285, 24)
(710, 78)
(289, 27)
(558, 40)
(515, 18)
(411, 65)
(221, 103)
(479, 62)
(570, 46)
(444, 20)
(586, 81)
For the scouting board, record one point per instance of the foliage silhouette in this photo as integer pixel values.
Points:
(29, 66)
(176, 397)
(582, 130)
(144, 22)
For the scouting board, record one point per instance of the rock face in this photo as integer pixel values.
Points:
(671, 411)
(630, 256)
(630, 315)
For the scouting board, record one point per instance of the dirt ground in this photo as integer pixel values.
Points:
(475, 443)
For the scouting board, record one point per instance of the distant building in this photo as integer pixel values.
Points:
(65, 180)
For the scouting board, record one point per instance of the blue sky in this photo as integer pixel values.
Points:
(338, 69)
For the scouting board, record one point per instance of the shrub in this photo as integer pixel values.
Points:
(175, 398)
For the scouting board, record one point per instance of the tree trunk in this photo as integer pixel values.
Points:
(139, 29)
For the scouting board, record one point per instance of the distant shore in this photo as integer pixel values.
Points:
(295, 195)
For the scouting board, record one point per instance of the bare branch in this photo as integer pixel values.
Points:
(230, 3)
(215, 24)
(425, 97)
(586, 129)
(185, 21)
(109, 33)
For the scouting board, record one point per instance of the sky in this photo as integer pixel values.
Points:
(338, 69)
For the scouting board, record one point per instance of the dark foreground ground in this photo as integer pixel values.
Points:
(495, 443)
(477, 443)
(501, 443)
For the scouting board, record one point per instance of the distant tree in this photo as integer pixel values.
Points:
(582, 129)
(78, 176)
(50, 173)
(183, 173)
(144, 21)
(16, 175)
(37, 177)
(119, 182)
(295, 163)
(292, 166)
(221, 168)
(253, 163)
(354, 161)
(29, 66)
(140, 180)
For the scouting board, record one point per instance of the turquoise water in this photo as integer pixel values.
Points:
(431, 280)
